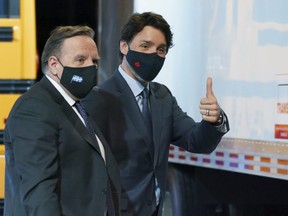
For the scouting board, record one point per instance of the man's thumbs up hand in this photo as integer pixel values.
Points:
(209, 108)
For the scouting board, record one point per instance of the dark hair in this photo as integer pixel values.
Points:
(138, 21)
(57, 37)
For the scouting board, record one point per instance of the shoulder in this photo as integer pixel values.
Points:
(116, 81)
(160, 90)
(42, 97)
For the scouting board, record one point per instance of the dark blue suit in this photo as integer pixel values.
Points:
(115, 110)
(53, 166)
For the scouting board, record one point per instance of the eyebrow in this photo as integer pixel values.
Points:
(150, 42)
(79, 56)
(85, 57)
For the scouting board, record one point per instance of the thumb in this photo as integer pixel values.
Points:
(209, 91)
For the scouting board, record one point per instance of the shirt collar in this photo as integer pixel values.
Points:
(69, 100)
(134, 85)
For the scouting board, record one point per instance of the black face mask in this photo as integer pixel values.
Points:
(146, 65)
(79, 80)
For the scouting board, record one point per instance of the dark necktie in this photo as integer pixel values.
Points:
(84, 115)
(147, 118)
(145, 109)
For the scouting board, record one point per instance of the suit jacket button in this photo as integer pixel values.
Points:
(104, 191)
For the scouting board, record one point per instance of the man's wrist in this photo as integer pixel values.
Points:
(220, 119)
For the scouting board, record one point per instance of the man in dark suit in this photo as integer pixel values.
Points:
(141, 145)
(54, 164)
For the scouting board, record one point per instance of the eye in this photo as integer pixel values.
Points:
(80, 60)
(145, 46)
(162, 51)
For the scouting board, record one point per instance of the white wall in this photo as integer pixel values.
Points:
(181, 67)
(243, 45)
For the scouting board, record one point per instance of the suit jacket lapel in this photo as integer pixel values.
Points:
(69, 112)
(130, 106)
(156, 110)
(101, 138)
(78, 124)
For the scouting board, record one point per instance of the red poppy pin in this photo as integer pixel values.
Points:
(137, 64)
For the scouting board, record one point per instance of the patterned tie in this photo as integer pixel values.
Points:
(84, 115)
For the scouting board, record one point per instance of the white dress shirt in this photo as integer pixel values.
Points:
(71, 102)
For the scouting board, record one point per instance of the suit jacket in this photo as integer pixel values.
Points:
(115, 110)
(53, 167)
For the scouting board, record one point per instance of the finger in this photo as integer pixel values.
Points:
(209, 112)
(209, 115)
(211, 119)
(209, 91)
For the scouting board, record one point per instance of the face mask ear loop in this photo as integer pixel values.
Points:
(59, 62)
(128, 45)
(61, 65)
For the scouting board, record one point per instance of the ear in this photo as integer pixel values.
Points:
(124, 47)
(53, 64)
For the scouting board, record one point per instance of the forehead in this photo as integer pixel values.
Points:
(150, 34)
(79, 44)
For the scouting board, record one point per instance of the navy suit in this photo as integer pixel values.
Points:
(53, 166)
(114, 108)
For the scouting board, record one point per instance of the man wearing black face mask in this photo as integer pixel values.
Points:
(57, 160)
(140, 118)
